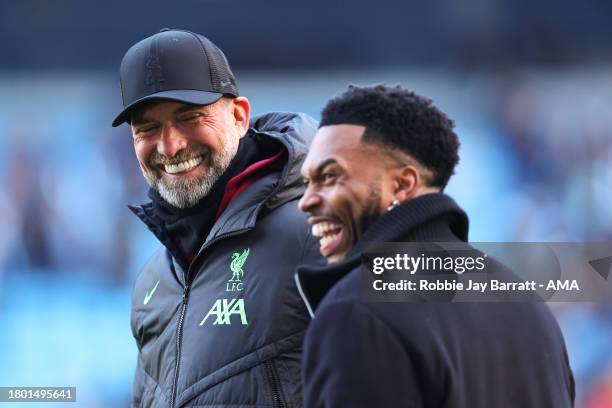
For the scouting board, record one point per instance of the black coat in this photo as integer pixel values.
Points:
(459, 355)
(228, 331)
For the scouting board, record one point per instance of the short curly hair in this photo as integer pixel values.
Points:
(399, 119)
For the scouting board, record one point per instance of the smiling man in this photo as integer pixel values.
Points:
(215, 312)
(183, 172)
(375, 173)
(356, 182)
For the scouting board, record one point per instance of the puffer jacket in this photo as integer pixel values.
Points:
(228, 331)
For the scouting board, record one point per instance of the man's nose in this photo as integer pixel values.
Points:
(309, 200)
(171, 141)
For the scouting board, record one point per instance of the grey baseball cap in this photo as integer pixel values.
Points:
(174, 65)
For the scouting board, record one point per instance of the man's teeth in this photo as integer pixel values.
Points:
(322, 228)
(183, 166)
(327, 239)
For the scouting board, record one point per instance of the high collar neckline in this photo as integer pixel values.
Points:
(428, 218)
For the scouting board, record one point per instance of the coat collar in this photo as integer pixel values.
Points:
(428, 218)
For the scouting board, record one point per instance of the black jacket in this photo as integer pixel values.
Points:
(228, 331)
(460, 355)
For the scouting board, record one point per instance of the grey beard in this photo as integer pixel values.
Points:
(186, 192)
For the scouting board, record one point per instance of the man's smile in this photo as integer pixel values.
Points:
(182, 166)
(330, 234)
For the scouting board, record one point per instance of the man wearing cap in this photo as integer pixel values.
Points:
(215, 312)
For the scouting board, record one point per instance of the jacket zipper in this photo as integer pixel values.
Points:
(179, 338)
(277, 397)
(179, 329)
(298, 284)
(218, 238)
(278, 400)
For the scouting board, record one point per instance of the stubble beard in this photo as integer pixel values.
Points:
(186, 191)
(357, 225)
(370, 213)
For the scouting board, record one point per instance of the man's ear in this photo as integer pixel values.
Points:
(241, 113)
(406, 183)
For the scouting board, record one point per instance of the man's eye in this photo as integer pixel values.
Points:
(190, 118)
(306, 181)
(146, 129)
(328, 177)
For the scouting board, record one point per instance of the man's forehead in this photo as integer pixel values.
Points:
(340, 135)
(333, 142)
(334, 139)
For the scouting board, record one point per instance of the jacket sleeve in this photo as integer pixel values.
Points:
(138, 385)
(352, 359)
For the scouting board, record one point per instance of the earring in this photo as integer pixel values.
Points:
(394, 204)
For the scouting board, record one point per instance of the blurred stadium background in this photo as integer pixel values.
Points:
(529, 85)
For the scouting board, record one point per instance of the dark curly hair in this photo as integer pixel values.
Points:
(396, 118)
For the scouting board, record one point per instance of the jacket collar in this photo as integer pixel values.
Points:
(295, 132)
(428, 218)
